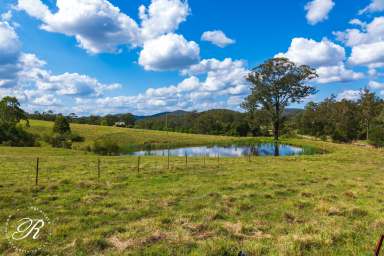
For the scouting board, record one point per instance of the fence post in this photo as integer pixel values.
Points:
(37, 171)
(218, 160)
(186, 160)
(98, 169)
(168, 157)
(138, 165)
(379, 245)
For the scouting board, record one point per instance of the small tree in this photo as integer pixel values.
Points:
(275, 84)
(61, 125)
(377, 134)
(376, 137)
(370, 108)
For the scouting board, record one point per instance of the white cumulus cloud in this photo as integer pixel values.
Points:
(327, 57)
(367, 33)
(367, 44)
(349, 95)
(162, 17)
(313, 53)
(217, 37)
(318, 10)
(376, 85)
(97, 25)
(337, 73)
(374, 6)
(46, 100)
(169, 52)
(368, 54)
(34, 8)
(7, 16)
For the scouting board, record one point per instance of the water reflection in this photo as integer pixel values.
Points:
(264, 149)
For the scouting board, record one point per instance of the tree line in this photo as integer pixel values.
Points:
(214, 122)
(108, 120)
(345, 120)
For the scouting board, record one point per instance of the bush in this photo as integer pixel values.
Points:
(59, 140)
(340, 136)
(15, 136)
(147, 146)
(76, 137)
(376, 135)
(105, 146)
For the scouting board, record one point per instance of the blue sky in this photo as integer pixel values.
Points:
(99, 56)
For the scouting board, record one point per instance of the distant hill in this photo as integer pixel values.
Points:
(292, 111)
(214, 121)
(288, 112)
(173, 113)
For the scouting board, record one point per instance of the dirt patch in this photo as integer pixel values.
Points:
(122, 245)
(119, 244)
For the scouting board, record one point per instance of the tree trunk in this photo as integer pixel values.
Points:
(367, 130)
(276, 128)
(276, 123)
(277, 150)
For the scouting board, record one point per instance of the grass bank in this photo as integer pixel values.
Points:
(131, 139)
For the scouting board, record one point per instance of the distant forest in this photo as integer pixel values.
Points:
(214, 122)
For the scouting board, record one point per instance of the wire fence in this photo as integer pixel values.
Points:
(42, 170)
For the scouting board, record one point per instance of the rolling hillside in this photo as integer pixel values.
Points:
(131, 138)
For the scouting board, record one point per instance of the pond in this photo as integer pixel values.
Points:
(262, 149)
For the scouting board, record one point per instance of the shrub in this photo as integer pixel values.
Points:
(339, 135)
(376, 135)
(242, 129)
(147, 146)
(59, 140)
(61, 125)
(76, 137)
(15, 136)
(105, 146)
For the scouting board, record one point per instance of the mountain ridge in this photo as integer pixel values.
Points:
(288, 111)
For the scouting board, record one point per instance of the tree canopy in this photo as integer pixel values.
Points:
(370, 108)
(11, 112)
(61, 125)
(11, 133)
(276, 83)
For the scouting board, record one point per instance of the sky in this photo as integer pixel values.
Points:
(149, 56)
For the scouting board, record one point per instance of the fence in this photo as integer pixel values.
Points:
(43, 169)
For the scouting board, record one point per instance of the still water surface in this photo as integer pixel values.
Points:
(263, 149)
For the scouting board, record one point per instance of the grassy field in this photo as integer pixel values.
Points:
(131, 138)
(330, 204)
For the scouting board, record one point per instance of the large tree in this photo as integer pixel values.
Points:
(275, 84)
